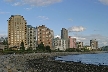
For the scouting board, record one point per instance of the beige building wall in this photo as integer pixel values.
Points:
(17, 31)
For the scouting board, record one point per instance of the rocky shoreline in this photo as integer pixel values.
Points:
(49, 65)
(43, 62)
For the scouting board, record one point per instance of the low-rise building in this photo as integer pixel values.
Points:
(2, 47)
(59, 44)
(88, 47)
(79, 44)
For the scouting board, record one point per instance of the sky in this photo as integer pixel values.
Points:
(85, 19)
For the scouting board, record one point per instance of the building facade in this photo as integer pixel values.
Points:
(17, 30)
(59, 44)
(44, 35)
(72, 42)
(94, 44)
(79, 44)
(31, 37)
(2, 46)
(64, 35)
(89, 48)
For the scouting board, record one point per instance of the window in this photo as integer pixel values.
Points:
(22, 37)
(43, 32)
(17, 36)
(11, 37)
(49, 42)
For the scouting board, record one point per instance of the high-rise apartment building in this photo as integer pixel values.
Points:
(44, 35)
(31, 37)
(72, 42)
(64, 35)
(17, 30)
(94, 44)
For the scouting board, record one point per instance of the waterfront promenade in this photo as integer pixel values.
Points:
(25, 62)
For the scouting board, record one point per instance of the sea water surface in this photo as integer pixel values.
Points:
(97, 59)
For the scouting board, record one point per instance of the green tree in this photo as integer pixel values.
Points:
(58, 49)
(70, 50)
(22, 46)
(48, 48)
(41, 46)
(4, 42)
(29, 49)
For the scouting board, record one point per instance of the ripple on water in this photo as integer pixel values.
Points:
(97, 59)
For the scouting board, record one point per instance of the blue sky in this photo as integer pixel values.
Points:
(87, 19)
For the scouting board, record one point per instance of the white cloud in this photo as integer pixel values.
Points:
(43, 18)
(70, 19)
(9, 0)
(79, 38)
(1, 12)
(76, 29)
(28, 8)
(104, 2)
(33, 2)
(102, 40)
(105, 43)
(17, 4)
(3, 35)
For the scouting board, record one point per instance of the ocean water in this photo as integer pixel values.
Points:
(97, 59)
